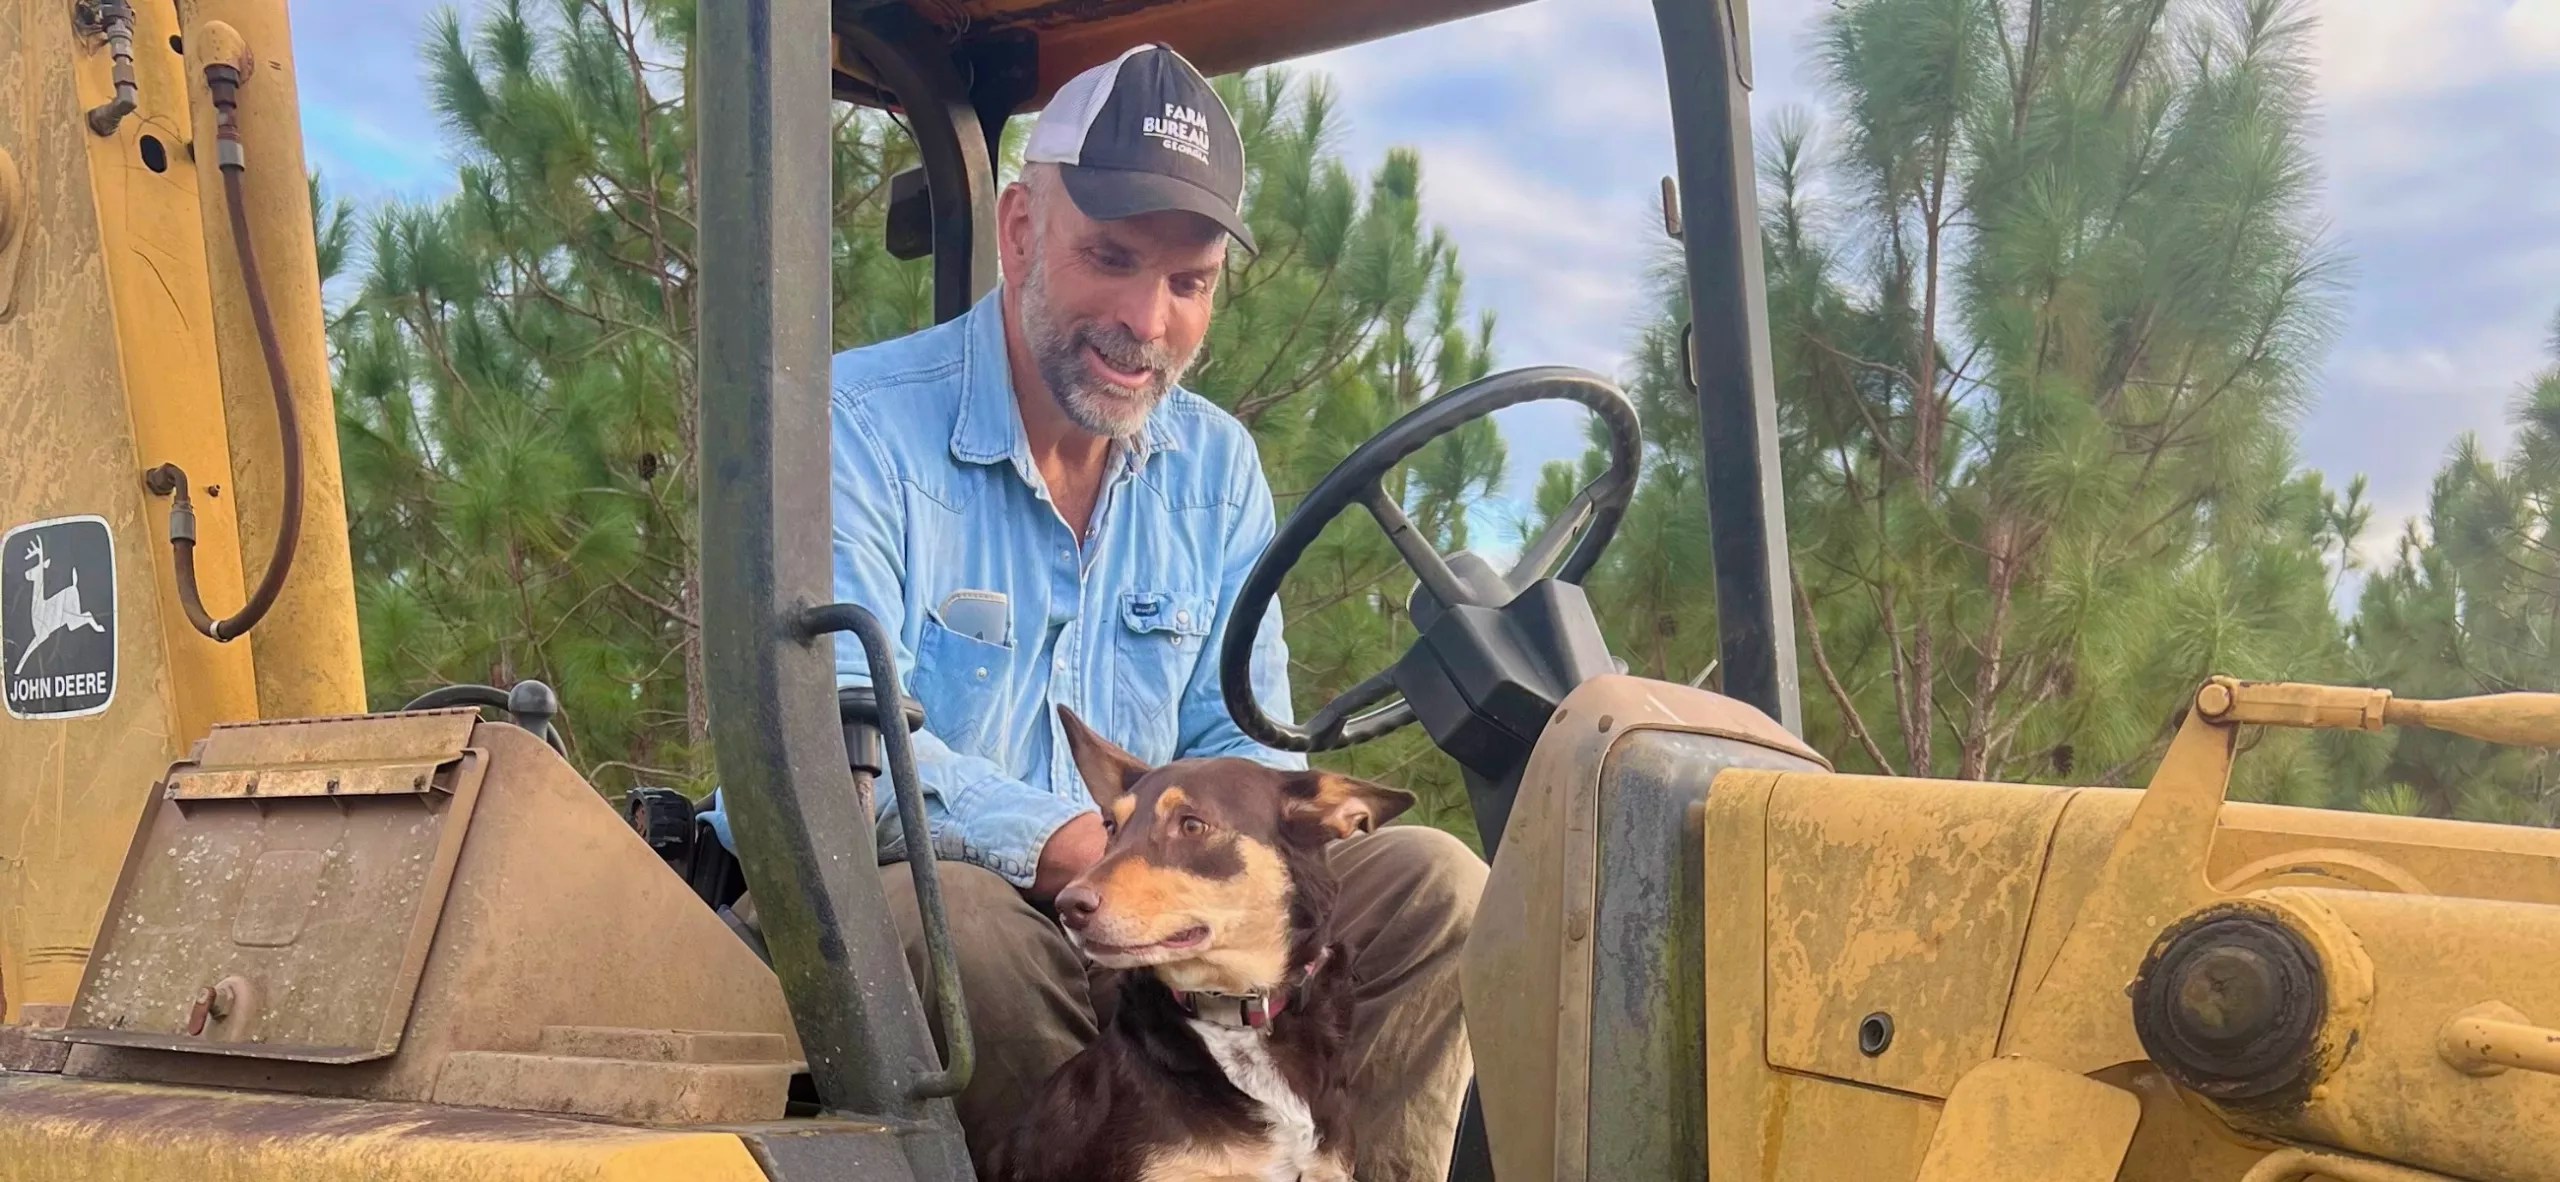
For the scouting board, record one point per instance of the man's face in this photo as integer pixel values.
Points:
(1113, 312)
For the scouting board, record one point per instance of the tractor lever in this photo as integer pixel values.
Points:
(2512, 719)
(894, 730)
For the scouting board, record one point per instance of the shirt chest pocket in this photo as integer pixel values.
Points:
(1161, 638)
(959, 679)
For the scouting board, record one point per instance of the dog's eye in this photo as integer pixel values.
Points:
(1194, 826)
(1110, 828)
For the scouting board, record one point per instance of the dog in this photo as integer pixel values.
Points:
(1212, 898)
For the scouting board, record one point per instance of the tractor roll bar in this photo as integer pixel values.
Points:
(1729, 349)
(804, 833)
(955, 147)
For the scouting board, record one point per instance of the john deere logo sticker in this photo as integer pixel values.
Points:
(58, 617)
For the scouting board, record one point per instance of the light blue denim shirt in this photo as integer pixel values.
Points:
(936, 494)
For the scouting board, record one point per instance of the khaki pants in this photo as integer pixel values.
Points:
(1408, 897)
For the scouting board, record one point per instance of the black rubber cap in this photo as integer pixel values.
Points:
(2230, 1005)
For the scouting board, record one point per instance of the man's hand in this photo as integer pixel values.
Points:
(1075, 846)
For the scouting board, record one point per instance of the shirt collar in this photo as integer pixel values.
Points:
(988, 429)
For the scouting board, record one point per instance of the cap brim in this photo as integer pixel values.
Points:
(1110, 194)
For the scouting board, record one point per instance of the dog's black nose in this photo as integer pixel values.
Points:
(1076, 905)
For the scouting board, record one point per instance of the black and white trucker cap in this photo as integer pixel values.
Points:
(1143, 133)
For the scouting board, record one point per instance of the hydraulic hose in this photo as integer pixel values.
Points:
(223, 79)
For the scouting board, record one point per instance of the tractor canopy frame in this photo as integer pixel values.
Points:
(956, 70)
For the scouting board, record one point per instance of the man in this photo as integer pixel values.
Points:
(1043, 517)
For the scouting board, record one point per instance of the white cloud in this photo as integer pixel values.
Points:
(2466, 385)
(2379, 49)
(1544, 131)
(2533, 26)
(2394, 414)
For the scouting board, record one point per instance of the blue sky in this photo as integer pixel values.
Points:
(1544, 134)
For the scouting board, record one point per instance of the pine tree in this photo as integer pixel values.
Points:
(2041, 324)
(517, 383)
(2471, 605)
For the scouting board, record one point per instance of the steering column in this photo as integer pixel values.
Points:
(1497, 650)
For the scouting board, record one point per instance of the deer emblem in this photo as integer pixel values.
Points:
(59, 611)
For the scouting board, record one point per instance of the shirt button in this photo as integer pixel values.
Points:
(1066, 556)
(1183, 618)
(982, 673)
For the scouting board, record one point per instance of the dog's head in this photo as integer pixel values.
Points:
(1214, 876)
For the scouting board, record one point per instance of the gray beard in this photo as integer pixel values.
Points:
(1095, 406)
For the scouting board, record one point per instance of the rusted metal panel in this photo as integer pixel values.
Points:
(666, 1046)
(262, 914)
(427, 735)
(22, 1050)
(396, 779)
(1905, 902)
(562, 934)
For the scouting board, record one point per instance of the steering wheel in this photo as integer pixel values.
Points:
(1361, 479)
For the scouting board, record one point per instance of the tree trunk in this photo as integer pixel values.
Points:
(1927, 428)
(697, 684)
(1974, 749)
(1849, 715)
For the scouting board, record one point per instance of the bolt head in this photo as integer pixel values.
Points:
(2226, 994)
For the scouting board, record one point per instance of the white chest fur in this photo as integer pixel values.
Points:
(1246, 1058)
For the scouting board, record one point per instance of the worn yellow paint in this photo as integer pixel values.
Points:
(1742, 1092)
(54, 1130)
(165, 336)
(2015, 918)
(2494, 1037)
(2153, 873)
(2305, 1165)
(2517, 719)
(2008, 1111)
(309, 662)
(106, 366)
(2179, 1139)
(1823, 1131)
(2388, 1092)
(1861, 921)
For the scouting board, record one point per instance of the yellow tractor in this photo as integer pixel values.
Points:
(250, 932)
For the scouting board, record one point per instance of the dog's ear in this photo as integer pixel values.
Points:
(1341, 805)
(1108, 771)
